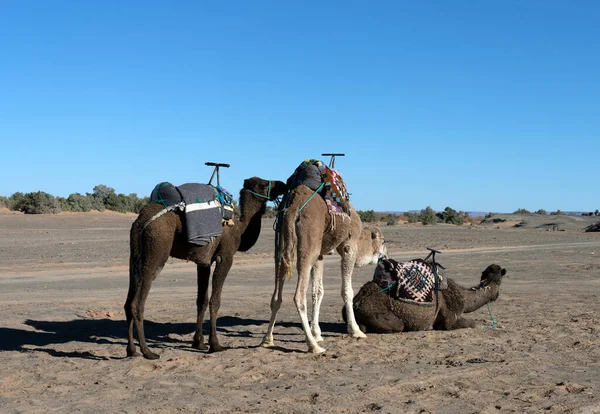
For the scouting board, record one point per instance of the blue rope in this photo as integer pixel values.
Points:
(493, 325)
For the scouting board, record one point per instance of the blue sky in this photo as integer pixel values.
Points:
(477, 105)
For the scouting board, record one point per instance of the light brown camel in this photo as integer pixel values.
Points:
(310, 233)
(378, 312)
(165, 236)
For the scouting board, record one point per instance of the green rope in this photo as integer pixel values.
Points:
(310, 198)
(267, 197)
(493, 325)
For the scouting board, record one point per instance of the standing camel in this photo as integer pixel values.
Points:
(152, 243)
(309, 231)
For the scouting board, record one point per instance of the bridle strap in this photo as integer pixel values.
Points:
(266, 197)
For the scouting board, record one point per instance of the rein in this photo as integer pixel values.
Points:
(266, 197)
(493, 325)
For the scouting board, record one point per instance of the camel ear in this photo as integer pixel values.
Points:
(503, 272)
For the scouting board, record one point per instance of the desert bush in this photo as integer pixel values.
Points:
(78, 202)
(412, 217)
(521, 211)
(63, 204)
(39, 203)
(451, 216)
(428, 216)
(390, 219)
(102, 192)
(489, 215)
(367, 216)
(15, 201)
(97, 203)
(557, 213)
(4, 201)
(541, 211)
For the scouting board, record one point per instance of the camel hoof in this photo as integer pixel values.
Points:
(200, 346)
(316, 350)
(266, 343)
(133, 354)
(151, 355)
(359, 335)
(216, 348)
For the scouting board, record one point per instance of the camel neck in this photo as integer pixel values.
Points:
(476, 297)
(249, 224)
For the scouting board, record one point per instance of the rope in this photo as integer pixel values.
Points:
(311, 197)
(266, 197)
(493, 325)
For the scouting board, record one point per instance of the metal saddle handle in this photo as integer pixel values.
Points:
(216, 171)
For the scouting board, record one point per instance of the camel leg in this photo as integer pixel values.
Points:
(348, 253)
(201, 305)
(131, 352)
(316, 274)
(276, 301)
(463, 323)
(219, 275)
(137, 308)
(305, 264)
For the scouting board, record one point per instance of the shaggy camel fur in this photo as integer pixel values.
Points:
(311, 233)
(151, 247)
(377, 312)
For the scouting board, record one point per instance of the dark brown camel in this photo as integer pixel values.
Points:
(377, 312)
(165, 236)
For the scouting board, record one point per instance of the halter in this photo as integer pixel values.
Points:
(266, 197)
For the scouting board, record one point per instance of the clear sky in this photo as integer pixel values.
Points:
(477, 105)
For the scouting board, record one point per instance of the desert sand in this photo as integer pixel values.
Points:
(64, 280)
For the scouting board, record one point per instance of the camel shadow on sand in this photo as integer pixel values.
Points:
(114, 332)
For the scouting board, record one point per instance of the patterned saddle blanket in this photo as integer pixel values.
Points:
(206, 208)
(413, 281)
(314, 173)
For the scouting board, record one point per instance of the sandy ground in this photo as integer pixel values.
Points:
(63, 282)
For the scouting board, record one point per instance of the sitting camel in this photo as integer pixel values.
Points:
(377, 312)
(309, 231)
(152, 243)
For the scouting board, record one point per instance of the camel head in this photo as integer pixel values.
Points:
(371, 246)
(256, 192)
(491, 277)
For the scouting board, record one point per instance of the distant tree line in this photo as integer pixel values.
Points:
(553, 213)
(427, 216)
(102, 198)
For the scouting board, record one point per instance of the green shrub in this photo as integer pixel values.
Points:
(428, 216)
(368, 216)
(521, 211)
(541, 211)
(412, 217)
(451, 216)
(78, 202)
(39, 203)
(557, 213)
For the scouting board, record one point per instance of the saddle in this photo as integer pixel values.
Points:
(207, 208)
(415, 281)
(326, 181)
